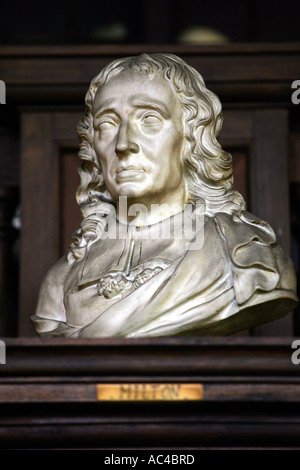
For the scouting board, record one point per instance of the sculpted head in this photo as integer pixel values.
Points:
(150, 132)
(138, 138)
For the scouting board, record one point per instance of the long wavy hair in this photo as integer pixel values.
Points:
(208, 170)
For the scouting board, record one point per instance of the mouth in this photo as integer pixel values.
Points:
(129, 169)
(129, 174)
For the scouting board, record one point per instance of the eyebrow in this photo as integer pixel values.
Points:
(109, 106)
(153, 104)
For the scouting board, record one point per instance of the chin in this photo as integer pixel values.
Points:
(131, 191)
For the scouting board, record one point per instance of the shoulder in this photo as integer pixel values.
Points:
(57, 274)
(259, 265)
(244, 227)
(50, 306)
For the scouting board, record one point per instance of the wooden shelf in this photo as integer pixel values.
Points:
(251, 393)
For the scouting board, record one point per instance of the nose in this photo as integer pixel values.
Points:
(125, 144)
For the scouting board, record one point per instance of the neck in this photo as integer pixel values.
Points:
(148, 211)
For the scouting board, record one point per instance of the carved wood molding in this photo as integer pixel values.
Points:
(251, 393)
(236, 72)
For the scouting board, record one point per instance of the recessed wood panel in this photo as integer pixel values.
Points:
(70, 216)
(241, 173)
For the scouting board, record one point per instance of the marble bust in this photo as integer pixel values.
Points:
(166, 246)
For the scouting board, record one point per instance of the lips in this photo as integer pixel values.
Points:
(129, 168)
(129, 174)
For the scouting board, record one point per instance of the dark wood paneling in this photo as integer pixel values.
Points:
(39, 209)
(236, 72)
(155, 358)
(9, 248)
(43, 135)
(270, 199)
(241, 167)
(269, 165)
(251, 394)
(70, 216)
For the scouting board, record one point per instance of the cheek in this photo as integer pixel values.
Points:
(175, 146)
(104, 142)
(103, 152)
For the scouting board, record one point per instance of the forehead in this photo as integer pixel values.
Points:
(130, 86)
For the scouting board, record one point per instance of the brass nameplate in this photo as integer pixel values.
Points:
(149, 392)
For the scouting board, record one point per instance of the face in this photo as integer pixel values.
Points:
(138, 137)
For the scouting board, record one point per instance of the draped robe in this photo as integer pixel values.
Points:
(143, 285)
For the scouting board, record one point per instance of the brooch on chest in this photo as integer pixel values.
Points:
(114, 283)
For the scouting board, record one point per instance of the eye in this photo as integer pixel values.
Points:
(151, 120)
(106, 125)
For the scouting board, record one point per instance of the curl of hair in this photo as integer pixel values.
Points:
(208, 169)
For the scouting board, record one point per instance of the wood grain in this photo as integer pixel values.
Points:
(251, 394)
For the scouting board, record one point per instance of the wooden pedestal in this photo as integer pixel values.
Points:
(251, 394)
